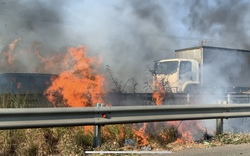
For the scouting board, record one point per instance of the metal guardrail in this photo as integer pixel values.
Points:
(119, 99)
(16, 118)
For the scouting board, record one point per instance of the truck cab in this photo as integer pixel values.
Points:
(205, 69)
(176, 75)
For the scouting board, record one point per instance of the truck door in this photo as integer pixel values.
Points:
(185, 70)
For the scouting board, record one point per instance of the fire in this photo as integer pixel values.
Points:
(187, 129)
(88, 130)
(80, 85)
(122, 131)
(9, 55)
(14, 59)
(158, 97)
(50, 63)
(159, 94)
(19, 85)
(78, 82)
(141, 137)
(180, 141)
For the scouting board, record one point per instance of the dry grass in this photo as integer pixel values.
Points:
(76, 140)
(231, 138)
(70, 141)
(23, 101)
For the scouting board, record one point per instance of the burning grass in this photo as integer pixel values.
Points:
(76, 140)
(79, 84)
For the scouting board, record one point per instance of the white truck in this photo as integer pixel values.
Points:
(205, 69)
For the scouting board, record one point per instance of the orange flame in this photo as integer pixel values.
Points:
(180, 141)
(141, 137)
(158, 97)
(51, 63)
(122, 131)
(80, 85)
(187, 129)
(88, 129)
(10, 57)
(19, 85)
(159, 94)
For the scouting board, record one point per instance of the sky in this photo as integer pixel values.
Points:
(129, 35)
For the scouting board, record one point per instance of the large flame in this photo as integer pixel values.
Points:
(78, 82)
(80, 85)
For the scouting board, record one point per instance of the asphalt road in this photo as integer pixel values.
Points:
(228, 150)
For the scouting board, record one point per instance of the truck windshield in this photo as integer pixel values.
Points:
(169, 67)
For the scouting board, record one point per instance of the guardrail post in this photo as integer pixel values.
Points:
(219, 126)
(97, 136)
(97, 131)
(219, 121)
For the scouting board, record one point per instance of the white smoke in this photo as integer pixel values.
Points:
(128, 35)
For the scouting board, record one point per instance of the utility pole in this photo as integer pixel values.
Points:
(204, 41)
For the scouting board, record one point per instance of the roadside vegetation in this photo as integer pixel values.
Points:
(76, 140)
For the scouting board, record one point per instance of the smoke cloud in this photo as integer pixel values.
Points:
(32, 21)
(128, 35)
(28, 26)
(226, 21)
